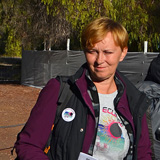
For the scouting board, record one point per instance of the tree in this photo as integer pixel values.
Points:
(153, 9)
(39, 26)
(29, 26)
(133, 14)
(9, 43)
(33, 24)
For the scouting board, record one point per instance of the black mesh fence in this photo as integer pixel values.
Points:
(10, 70)
(37, 67)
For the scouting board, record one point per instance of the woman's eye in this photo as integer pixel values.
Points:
(92, 51)
(107, 52)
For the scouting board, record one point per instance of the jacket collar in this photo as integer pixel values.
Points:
(134, 96)
(126, 90)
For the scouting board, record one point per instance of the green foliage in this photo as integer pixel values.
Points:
(133, 14)
(9, 42)
(133, 18)
(13, 45)
(32, 22)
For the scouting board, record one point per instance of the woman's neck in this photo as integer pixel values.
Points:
(106, 87)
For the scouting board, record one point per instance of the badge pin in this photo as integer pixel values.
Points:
(68, 114)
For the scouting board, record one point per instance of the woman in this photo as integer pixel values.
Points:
(105, 117)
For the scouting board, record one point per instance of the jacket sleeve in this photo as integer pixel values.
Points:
(33, 137)
(144, 145)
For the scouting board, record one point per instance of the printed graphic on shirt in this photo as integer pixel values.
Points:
(112, 141)
(110, 133)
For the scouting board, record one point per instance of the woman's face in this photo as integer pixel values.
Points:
(103, 58)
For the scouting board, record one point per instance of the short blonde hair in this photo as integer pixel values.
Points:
(96, 31)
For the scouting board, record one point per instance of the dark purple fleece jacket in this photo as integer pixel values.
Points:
(34, 135)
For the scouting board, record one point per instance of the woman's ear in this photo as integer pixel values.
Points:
(124, 53)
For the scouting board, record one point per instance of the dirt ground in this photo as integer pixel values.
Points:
(16, 102)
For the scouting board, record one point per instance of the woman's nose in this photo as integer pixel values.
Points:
(100, 58)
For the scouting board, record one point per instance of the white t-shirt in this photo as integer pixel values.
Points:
(112, 141)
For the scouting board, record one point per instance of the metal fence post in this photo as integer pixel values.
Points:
(145, 46)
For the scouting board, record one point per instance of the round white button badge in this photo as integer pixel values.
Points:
(68, 114)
